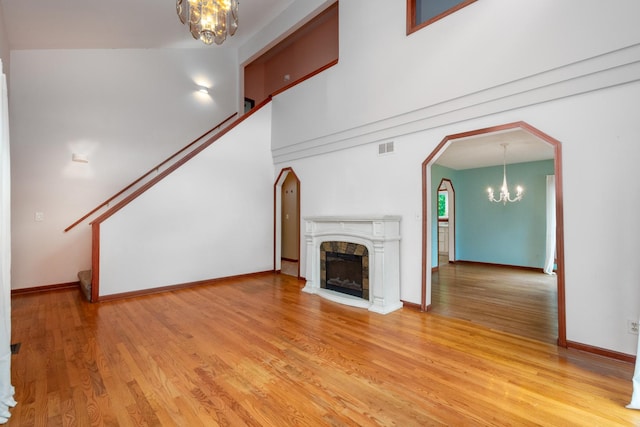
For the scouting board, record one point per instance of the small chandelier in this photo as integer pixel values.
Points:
(209, 20)
(504, 190)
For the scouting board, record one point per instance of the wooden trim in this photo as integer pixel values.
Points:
(452, 216)
(299, 220)
(411, 15)
(425, 200)
(490, 129)
(557, 146)
(423, 296)
(46, 288)
(434, 269)
(170, 288)
(562, 321)
(305, 77)
(411, 305)
(95, 262)
(289, 259)
(177, 164)
(275, 218)
(95, 244)
(327, 15)
(119, 193)
(601, 351)
(277, 186)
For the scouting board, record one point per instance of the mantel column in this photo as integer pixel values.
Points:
(312, 269)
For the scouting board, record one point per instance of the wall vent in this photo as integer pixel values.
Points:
(385, 148)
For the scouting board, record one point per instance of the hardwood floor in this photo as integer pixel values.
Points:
(290, 268)
(518, 301)
(259, 352)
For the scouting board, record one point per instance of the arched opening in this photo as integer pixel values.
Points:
(286, 257)
(473, 140)
(446, 205)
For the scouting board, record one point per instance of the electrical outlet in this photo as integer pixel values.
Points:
(632, 327)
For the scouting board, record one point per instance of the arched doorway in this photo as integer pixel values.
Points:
(287, 223)
(446, 221)
(427, 210)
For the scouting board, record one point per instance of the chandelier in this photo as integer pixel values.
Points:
(209, 20)
(504, 190)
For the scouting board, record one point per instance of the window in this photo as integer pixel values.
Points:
(443, 205)
(421, 13)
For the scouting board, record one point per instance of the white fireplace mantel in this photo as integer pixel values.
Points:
(381, 236)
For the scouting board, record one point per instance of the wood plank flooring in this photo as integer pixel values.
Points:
(518, 301)
(259, 352)
(290, 268)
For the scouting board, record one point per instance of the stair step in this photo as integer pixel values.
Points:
(85, 283)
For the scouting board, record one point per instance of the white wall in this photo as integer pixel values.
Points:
(4, 44)
(483, 52)
(602, 286)
(600, 146)
(126, 109)
(211, 218)
(489, 64)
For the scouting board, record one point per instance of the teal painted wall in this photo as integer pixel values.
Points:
(491, 232)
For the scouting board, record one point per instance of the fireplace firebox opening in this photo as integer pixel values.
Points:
(345, 268)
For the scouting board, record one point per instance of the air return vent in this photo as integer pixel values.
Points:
(385, 148)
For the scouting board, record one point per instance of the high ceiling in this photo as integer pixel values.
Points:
(149, 24)
(118, 24)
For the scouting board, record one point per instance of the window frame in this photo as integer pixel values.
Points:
(445, 195)
(411, 15)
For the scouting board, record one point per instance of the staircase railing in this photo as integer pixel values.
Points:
(154, 169)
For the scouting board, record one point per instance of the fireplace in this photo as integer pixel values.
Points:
(354, 261)
(344, 267)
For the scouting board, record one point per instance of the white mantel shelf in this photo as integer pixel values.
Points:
(381, 235)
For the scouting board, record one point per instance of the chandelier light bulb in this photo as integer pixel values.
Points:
(209, 20)
(504, 189)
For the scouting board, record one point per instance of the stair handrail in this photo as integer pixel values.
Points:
(172, 168)
(152, 170)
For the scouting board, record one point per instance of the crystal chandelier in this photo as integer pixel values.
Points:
(209, 20)
(504, 190)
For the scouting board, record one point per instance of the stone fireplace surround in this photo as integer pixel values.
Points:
(380, 235)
